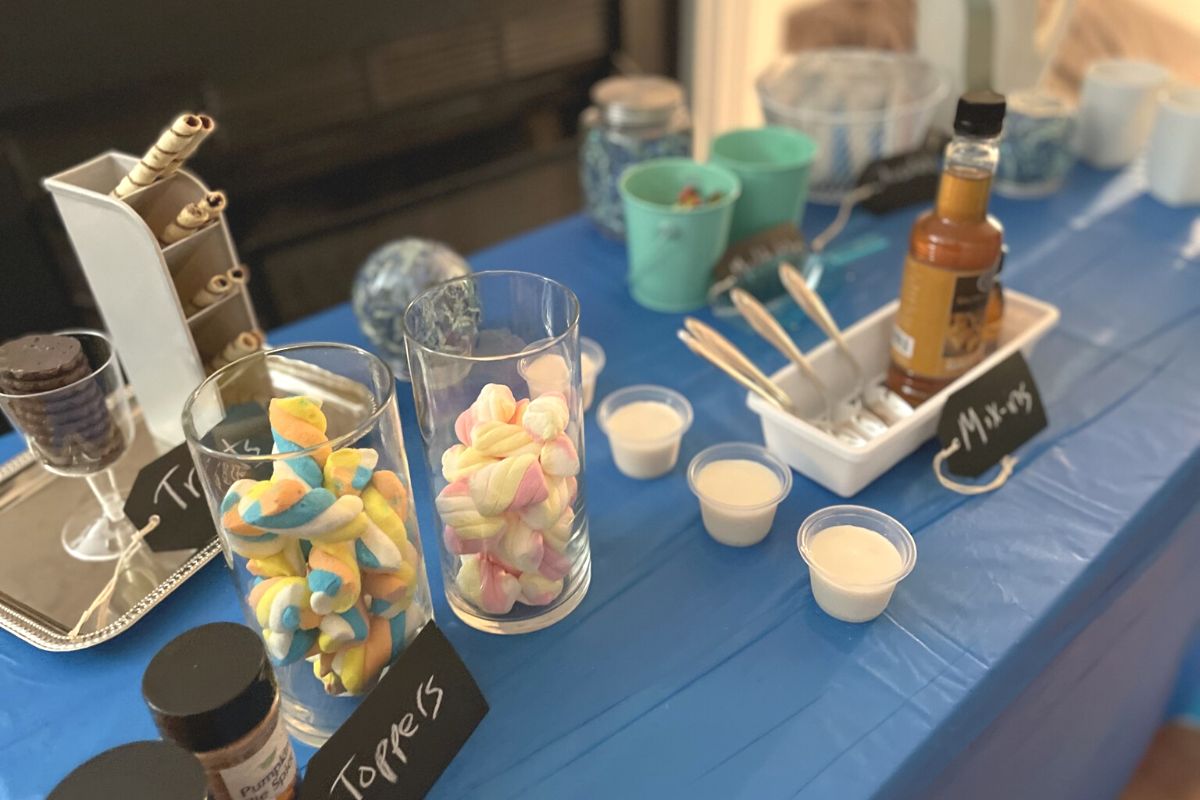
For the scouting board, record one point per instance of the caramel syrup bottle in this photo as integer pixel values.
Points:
(952, 257)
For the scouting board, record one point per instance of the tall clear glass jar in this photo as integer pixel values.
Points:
(494, 360)
(301, 456)
(632, 119)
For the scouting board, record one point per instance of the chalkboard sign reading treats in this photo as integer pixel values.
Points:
(407, 730)
(991, 417)
(169, 487)
(245, 431)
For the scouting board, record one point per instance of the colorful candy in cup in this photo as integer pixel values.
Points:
(506, 509)
(327, 539)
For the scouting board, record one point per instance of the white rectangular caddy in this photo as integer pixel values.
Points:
(142, 287)
(847, 470)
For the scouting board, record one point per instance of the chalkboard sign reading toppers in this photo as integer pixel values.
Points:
(406, 732)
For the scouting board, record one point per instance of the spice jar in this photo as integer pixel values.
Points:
(211, 690)
(631, 120)
(142, 770)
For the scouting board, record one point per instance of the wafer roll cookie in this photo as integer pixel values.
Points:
(239, 275)
(216, 288)
(207, 126)
(214, 203)
(161, 155)
(246, 343)
(190, 219)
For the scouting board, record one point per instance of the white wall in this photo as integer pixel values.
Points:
(726, 44)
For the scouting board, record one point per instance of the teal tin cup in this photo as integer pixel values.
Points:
(673, 250)
(773, 165)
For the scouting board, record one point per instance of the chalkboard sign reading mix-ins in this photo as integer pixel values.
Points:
(407, 731)
(991, 417)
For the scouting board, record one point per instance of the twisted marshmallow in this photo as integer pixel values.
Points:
(457, 510)
(546, 417)
(511, 484)
(334, 577)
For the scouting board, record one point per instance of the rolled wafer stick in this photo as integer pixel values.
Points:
(214, 202)
(190, 219)
(239, 275)
(216, 288)
(243, 344)
(173, 141)
(207, 126)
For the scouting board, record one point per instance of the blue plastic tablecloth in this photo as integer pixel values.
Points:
(696, 669)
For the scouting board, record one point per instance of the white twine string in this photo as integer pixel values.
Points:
(1006, 469)
(102, 599)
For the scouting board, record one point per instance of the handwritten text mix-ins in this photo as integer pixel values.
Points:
(974, 425)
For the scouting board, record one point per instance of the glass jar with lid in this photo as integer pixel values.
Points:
(632, 119)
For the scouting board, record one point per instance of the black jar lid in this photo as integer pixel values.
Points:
(210, 686)
(980, 113)
(145, 770)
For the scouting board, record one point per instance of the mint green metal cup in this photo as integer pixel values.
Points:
(773, 165)
(673, 251)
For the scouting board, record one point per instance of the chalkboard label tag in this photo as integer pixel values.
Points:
(407, 730)
(245, 431)
(169, 486)
(991, 417)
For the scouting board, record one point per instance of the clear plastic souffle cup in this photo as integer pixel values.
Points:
(495, 366)
(300, 453)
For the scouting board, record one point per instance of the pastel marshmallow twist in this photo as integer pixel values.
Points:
(349, 470)
(511, 484)
(546, 417)
(500, 440)
(248, 541)
(357, 666)
(297, 423)
(281, 604)
(457, 509)
(520, 549)
(391, 592)
(292, 508)
(288, 647)
(542, 515)
(558, 534)
(461, 461)
(334, 577)
(538, 590)
(289, 561)
(487, 585)
(559, 457)
(495, 403)
(340, 630)
(555, 565)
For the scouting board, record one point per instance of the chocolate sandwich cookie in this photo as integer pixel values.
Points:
(65, 418)
(39, 357)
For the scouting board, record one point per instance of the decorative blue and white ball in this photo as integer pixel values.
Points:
(389, 280)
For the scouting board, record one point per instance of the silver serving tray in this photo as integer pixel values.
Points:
(43, 590)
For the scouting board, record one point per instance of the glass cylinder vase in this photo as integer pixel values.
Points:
(494, 361)
(301, 456)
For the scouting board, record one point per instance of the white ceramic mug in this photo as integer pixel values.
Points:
(1116, 110)
(1173, 158)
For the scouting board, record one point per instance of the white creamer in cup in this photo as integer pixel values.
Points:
(856, 556)
(645, 427)
(739, 486)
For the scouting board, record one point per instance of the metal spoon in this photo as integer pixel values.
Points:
(769, 328)
(887, 406)
(700, 348)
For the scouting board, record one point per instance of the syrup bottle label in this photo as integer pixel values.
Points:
(939, 327)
